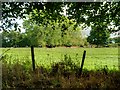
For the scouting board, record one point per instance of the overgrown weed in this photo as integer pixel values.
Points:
(61, 75)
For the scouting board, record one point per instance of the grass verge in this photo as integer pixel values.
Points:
(63, 74)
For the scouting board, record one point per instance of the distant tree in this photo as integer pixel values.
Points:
(14, 39)
(5, 39)
(98, 36)
(23, 40)
(54, 34)
(117, 40)
(10, 39)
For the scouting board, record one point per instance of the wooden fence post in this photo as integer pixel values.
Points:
(83, 58)
(33, 60)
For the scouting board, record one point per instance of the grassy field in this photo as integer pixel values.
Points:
(95, 57)
(17, 69)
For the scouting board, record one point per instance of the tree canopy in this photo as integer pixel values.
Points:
(12, 10)
(100, 16)
(90, 13)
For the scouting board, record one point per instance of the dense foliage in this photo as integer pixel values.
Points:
(98, 15)
(99, 36)
(54, 34)
(14, 39)
(91, 13)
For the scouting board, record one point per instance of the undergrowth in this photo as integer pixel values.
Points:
(63, 74)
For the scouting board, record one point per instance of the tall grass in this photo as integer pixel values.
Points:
(62, 74)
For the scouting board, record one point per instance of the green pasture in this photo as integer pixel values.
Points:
(95, 57)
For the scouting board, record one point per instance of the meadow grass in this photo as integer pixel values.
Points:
(95, 57)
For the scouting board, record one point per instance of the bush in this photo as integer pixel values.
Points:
(113, 45)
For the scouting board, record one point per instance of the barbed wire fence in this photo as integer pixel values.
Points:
(92, 60)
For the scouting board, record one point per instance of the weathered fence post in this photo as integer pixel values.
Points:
(33, 60)
(83, 58)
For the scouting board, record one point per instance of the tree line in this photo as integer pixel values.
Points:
(100, 16)
(52, 35)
